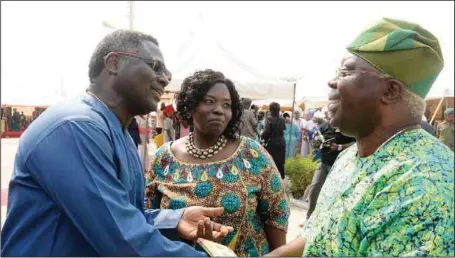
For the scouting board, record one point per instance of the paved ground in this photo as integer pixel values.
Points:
(8, 152)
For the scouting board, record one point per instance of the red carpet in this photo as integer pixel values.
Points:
(12, 134)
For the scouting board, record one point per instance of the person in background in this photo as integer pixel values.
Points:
(427, 115)
(16, 123)
(249, 121)
(273, 136)
(260, 126)
(144, 130)
(329, 146)
(445, 130)
(133, 130)
(176, 126)
(391, 193)
(255, 110)
(9, 120)
(160, 117)
(34, 115)
(307, 134)
(291, 135)
(184, 128)
(214, 166)
(153, 126)
(325, 111)
(427, 127)
(318, 120)
(300, 125)
(168, 127)
(77, 187)
(23, 120)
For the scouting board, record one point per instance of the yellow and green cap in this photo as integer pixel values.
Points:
(403, 50)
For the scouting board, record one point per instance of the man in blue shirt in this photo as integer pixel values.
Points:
(78, 189)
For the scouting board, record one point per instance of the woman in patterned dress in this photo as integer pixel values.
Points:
(237, 174)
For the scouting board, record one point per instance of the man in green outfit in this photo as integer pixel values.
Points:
(391, 193)
(16, 120)
(445, 130)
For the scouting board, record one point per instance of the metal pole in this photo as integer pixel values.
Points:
(439, 105)
(131, 14)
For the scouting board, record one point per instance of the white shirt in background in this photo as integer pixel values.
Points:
(167, 126)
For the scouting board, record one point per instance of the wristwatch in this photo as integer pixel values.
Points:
(340, 147)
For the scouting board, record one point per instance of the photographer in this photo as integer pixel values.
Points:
(329, 142)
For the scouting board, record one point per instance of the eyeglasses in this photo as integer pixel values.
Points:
(156, 65)
(341, 73)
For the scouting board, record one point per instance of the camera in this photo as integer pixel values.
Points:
(322, 144)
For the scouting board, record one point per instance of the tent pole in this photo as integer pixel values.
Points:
(437, 108)
(131, 14)
(292, 117)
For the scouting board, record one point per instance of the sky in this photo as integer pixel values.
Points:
(46, 46)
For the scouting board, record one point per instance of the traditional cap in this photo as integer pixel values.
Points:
(403, 50)
(449, 111)
(319, 115)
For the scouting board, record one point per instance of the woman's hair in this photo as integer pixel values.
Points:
(193, 90)
(274, 108)
(285, 115)
(261, 114)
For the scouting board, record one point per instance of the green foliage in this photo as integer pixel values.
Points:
(300, 171)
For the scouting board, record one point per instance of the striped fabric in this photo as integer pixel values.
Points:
(403, 50)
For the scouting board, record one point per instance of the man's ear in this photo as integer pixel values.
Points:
(393, 91)
(111, 63)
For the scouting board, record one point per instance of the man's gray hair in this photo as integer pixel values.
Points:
(119, 40)
(415, 103)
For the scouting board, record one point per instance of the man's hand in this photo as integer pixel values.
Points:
(195, 223)
(293, 249)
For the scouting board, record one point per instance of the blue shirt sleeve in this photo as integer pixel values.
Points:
(75, 166)
(165, 220)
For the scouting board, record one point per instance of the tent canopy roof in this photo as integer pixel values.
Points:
(202, 50)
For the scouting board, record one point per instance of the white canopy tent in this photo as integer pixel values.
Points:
(282, 102)
(18, 98)
(296, 52)
(202, 50)
(440, 92)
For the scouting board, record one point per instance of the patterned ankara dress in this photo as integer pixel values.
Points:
(247, 184)
(397, 202)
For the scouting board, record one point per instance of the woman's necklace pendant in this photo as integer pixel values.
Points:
(219, 174)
